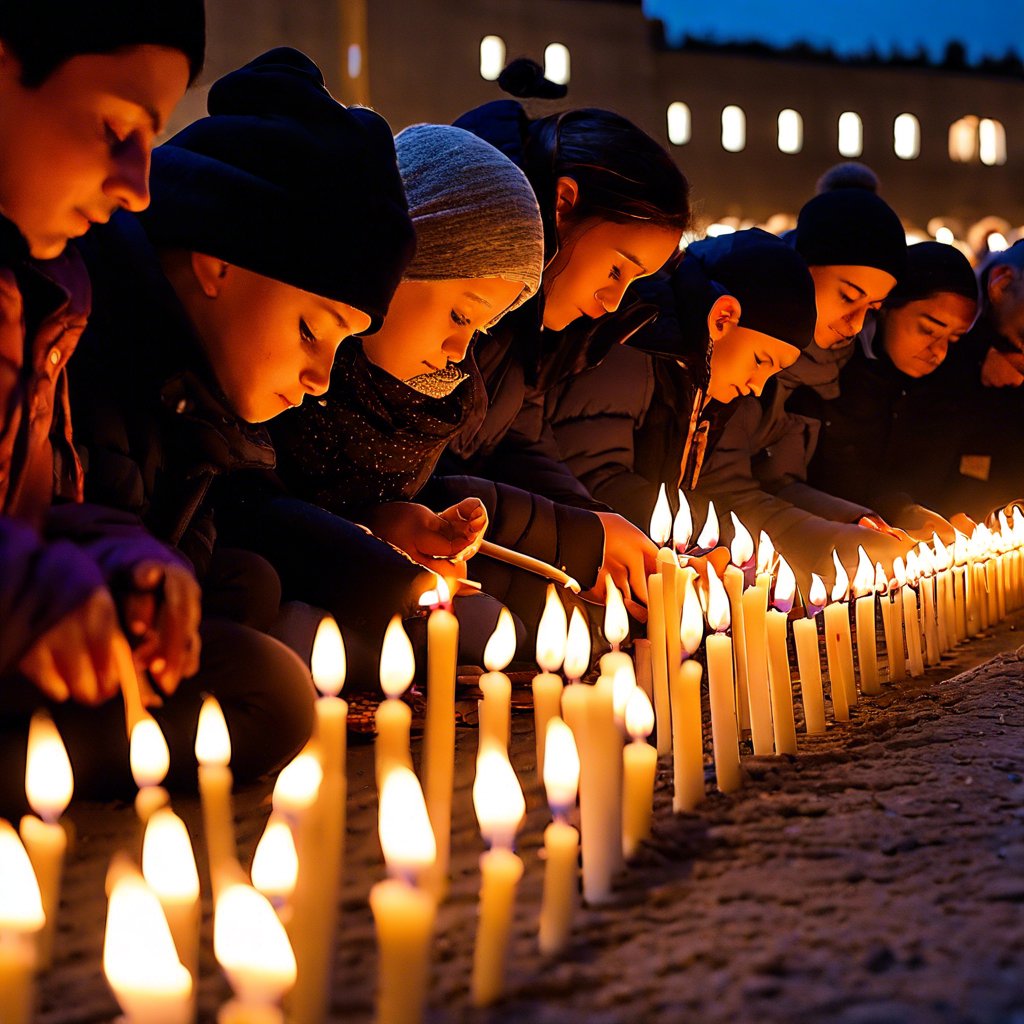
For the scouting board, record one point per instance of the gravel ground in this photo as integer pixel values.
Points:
(876, 877)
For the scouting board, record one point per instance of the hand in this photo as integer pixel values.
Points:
(75, 658)
(427, 537)
(161, 612)
(1002, 369)
(963, 522)
(718, 558)
(629, 558)
(468, 523)
(879, 525)
(921, 523)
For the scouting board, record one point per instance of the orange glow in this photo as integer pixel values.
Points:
(742, 546)
(842, 584)
(551, 633)
(616, 621)
(864, 579)
(49, 782)
(501, 647)
(708, 538)
(577, 647)
(765, 553)
(328, 658)
(682, 525)
(785, 587)
(561, 766)
(213, 743)
(818, 595)
(899, 571)
(21, 909)
(718, 603)
(498, 797)
(639, 715)
(881, 580)
(397, 661)
(405, 833)
(691, 626)
(661, 520)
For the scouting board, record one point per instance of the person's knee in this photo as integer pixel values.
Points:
(242, 586)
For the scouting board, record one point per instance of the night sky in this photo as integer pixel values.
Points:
(987, 28)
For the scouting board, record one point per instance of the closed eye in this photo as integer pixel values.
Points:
(459, 319)
(615, 274)
(308, 337)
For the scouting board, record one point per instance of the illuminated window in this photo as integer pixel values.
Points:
(963, 140)
(355, 60)
(791, 131)
(678, 124)
(734, 129)
(991, 142)
(492, 57)
(851, 134)
(556, 63)
(906, 137)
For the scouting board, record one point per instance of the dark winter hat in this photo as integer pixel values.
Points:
(283, 180)
(43, 34)
(851, 227)
(932, 268)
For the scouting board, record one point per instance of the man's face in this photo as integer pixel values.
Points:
(843, 295)
(1006, 303)
(76, 148)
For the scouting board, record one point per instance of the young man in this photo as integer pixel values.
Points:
(84, 90)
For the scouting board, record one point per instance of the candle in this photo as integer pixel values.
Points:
(496, 707)
(864, 591)
(213, 751)
(808, 661)
(577, 660)
(438, 765)
(150, 760)
(687, 735)
(393, 719)
(561, 840)
(639, 768)
(49, 785)
(742, 560)
(547, 685)
(21, 920)
(891, 625)
(911, 622)
(275, 865)
(403, 914)
(839, 647)
(616, 630)
(500, 806)
(780, 682)
(959, 585)
(682, 525)
(252, 948)
(671, 594)
(944, 565)
(765, 560)
(297, 787)
(724, 737)
(644, 671)
(755, 605)
(657, 624)
(623, 685)
(169, 868)
(926, 590)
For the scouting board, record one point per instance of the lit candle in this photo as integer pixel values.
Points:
(661, 528)
(839, 646)
(755, 606)
(393, 719)
(891, 625)
(724, 737)
(639, 769)
(547, 684)
(947, 610)
(959, 585)
(275, 865)
(297, 787)
(169, 868)
(150, 760)
(21, 920)
(577, 661)
(213, 751)
(780, 681)
(496, 707)
(808, 661)
(908, 602)
(765, 560)
(561, 840)
(403, 914)
(616, 630)
(926, 589)
(867, 641)
(49, 785)
(682, 525)
(623, 685)
(687, 734)
(741, 562)
(500, 806)
(252, 949)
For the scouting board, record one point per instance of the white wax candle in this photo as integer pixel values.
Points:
(734, 588)
(639, 767)
(780, 683)
(561, 882)
(931, 632)
(892, 624)
(547, 704)
(724, 736)
(46, 844)
(839, 652)
(668, 569)
(500, 871)
(867, 644)
(960, 602)
(808, 661)
(644, 672)
(659, 661)
(755, 606)
(495, 708)
(21, 919)
(687, 738)
(912, 629)
(393, 721)
(213, 751)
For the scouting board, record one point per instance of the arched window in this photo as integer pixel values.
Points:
(851, 134)
(492, 57)
(556, 63)
(991, 142)
(906, 137)
(791, 131)
(678, 124)
(963, 140)
(734, 129)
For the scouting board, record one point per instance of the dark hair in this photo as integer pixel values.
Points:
(44, 34)
(933, 268)
(851, 174)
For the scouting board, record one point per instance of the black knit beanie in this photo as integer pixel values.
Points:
(933, 267)
(43, 34)
(851, 228)
(283, 180)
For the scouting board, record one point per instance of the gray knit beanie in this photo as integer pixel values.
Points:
(474, 211)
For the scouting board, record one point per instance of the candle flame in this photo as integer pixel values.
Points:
(718, 602)
(328, 660)
(577, 648)
(551, 633)
(691, 625)
(943, 554)
(742, 547)
(842, 584)
(913, 567)
(275, 864)
(623, 682)
(49, 782)
(864, 579)
(682, 525)
(926, 559)
(616, 621)
(881, 580)
(251, 946)
(960, 548)
(501, 647)
(147, 753)
(708, 538)
(639, 715)
(899, 571)
(405, 833)
(397, 661)
(21, 908)
(213, 743)
(498, 796)
(168, 863)
(765, 553)
(661, 520)
(785, 587)
(298, 784)
(818, 595)
(561, 766)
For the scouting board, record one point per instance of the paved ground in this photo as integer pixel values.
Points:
(877, 877)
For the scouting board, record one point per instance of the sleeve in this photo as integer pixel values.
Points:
(828, 506)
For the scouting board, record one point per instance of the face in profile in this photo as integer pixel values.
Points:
(76, 148)
(917, 336)
(742, 361)
(843, 295)
(1006, 302)
(431, 323)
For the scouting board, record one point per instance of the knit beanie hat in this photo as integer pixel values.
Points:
(474, 211)
(851, 227)
(43, 34)
(283, 180)
(933, 267)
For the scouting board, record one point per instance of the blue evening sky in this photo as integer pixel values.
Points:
(985, 27)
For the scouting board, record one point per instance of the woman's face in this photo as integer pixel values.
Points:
(431, 323)
(597, 260)
(743, 360)
(917, 336)
(843, 296)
